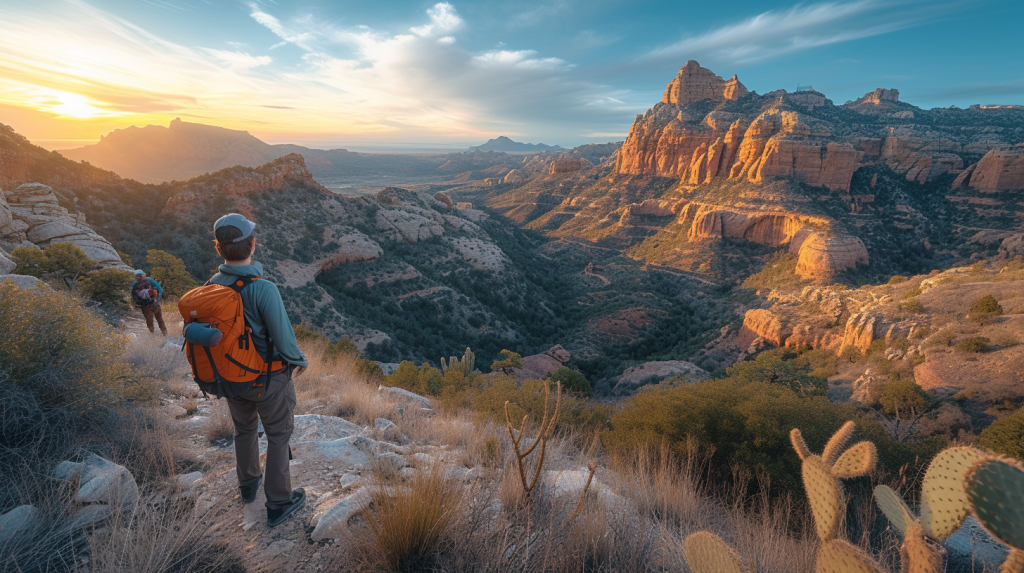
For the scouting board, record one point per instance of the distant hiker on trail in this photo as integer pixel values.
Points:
(146, 293)
(241, 346)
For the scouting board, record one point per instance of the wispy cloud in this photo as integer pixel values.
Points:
(781, 32)
(418, 81)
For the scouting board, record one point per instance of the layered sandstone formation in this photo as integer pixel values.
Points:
(999, 169)
(694, 83)
(30, 215)
(278, 175)
(748, 137)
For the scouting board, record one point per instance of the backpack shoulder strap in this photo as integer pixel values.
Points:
(241, 282)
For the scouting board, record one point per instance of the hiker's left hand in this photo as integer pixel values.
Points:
(298, 371)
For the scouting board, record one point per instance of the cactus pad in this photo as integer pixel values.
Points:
(920, 555)
(857, 461)
(1014, 562)
(838, 556)
(799, 444)
(825, 496)
(707, 553)
(837, 443)
(943, 501)
(893, 507)
(995, 491)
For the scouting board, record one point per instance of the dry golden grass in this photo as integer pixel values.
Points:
(409, 523)
(219, 426)
(172, 538)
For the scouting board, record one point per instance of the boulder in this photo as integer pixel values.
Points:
(38, 218)
(542, 365)
(971, 548)
(332, 520)
(344, 451)
(88, 517)
(821, 256)
(392, 461)
(384, 424)
(20, 281)
(20, 520)
(656, 371)
(1012, 246)
(402, 395)
(188, 481)
(103, 481)
(571, 483)
(7, 266)
(761, 323)
(311, 427)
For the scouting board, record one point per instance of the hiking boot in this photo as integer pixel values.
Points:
(278, 514)
(250, 490)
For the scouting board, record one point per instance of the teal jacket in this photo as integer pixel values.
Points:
(265, 313)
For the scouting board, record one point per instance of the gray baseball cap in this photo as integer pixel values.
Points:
(237, 221)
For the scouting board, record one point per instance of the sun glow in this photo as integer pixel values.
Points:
(70, 105)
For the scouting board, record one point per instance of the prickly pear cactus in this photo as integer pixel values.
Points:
(919, 554)
(838, 556)
(825, 495)
(894, 509)
(995, 491)
(821, 475)
(856, 461)
(707, 553)
(943, 501)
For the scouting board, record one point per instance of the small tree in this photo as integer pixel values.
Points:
(169, 271)
(509, 361)
(343, 348)
(31, 262)
(902, 398)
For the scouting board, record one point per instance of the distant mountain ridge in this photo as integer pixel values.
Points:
(503, 143)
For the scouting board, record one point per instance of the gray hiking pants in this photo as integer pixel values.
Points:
(275, 407)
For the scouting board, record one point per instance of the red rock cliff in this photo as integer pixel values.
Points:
(280, 174)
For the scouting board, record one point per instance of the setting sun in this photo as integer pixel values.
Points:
(71, 105)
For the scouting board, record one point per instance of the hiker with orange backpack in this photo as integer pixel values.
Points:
(146, 293)
(241, 346)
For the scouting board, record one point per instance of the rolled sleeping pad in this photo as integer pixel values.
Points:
(203, 334)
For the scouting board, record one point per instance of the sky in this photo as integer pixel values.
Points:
(411, 74)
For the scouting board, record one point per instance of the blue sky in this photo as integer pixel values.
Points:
(365, 74)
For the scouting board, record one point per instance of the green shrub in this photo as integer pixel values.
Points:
(528, 400)
(779, 271)
(572, 381)
(369, 369)
(944, 337)
(922, 333)
(972, 344)
(343, 348)
(107, 286)
(170, 272)
(746, 424)
(897, 279)
(1005, 435)
(912, 293)
(58, 260)
(912, 306)
(425, 380)
(306, 334)
(985, 307)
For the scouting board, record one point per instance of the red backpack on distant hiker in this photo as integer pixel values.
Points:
(218, 340)
(143, 293)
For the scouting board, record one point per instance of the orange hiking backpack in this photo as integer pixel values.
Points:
(218, 340)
